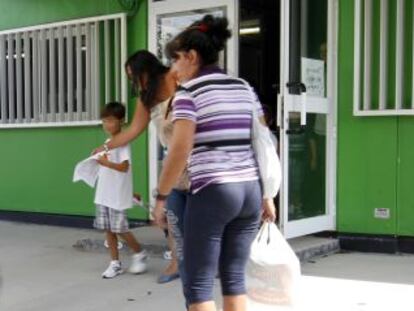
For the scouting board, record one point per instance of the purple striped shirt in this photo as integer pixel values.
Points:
(221, 106)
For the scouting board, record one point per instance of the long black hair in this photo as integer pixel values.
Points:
(207, 36)
(144, 64)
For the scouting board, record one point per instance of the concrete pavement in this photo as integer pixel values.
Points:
(42, 271)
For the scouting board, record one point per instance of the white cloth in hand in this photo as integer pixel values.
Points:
(88, 170)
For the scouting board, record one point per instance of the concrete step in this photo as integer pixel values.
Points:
(153, 240)
(308, 247)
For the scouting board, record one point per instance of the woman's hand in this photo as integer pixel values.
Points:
(160, 218)
(97, 150)
(269, 210)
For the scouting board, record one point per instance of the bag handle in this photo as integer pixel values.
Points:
(268, 232)
(262, 229)
(266, 225)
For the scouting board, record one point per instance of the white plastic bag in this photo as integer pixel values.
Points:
(273, 271)
(267, 158)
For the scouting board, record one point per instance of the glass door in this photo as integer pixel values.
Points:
(166, 19)
(306, 116)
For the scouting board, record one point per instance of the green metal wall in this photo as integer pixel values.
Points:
(405, 197)
(36, 165)
(375, 154)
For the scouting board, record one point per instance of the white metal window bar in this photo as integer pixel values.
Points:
(363, 78)
(50, 75)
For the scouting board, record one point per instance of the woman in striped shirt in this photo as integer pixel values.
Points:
(212, 115)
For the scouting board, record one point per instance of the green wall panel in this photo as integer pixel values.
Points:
(36, 165)
(367, 151)
(405, 197)
(406, 177)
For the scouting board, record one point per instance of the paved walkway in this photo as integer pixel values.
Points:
(42, 271)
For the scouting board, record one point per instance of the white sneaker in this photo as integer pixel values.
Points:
(113, 270)
(138, 262)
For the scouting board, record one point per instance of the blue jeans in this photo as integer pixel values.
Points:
(221, 222)
(176, 205)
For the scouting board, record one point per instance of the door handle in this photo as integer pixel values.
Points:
(303, 99)
(279, 111)
(301, 87)
(303, 104)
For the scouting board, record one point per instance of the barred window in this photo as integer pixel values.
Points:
(383, 58)
(60, 74)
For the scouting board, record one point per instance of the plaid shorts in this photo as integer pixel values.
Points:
(111, 219)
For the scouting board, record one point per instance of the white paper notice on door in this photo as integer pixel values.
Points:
(313, 76)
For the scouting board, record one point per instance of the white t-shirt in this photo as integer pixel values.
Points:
(114, 188)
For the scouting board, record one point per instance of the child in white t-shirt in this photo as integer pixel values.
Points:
(114, 195)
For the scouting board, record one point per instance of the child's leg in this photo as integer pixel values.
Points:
(119, 224)
(112, 245)
(114, 267)
(131, 241)
(138, 260)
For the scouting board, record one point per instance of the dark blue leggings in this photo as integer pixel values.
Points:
(221, 222)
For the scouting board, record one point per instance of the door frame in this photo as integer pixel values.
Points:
(325, 222)
(293, 228)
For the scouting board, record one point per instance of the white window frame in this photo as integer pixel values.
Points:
(116, 82)
(362, 105)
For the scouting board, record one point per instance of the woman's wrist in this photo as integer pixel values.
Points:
(159, 196)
